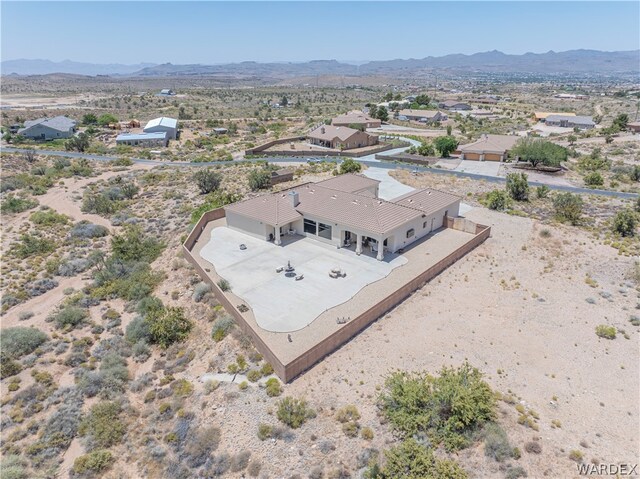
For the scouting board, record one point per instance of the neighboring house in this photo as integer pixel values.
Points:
(48, 128)
(488, 148)
(542, 115)
(220, 131)
(425, 116)
(340, 137)
(634, 126)
(166, 92)
(454, 105)
(356, 117)
(571, 96)
(569, 121)
(326, 213)
(163, 124)
(143, 139)
(394, 104)
(280, 176)
(485, 100)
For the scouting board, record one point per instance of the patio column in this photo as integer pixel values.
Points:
(380, 255)
(277, 240)
(358, 244)
(340, 239)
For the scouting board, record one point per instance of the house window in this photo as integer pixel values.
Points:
(324, 231)
(310, 226)
(410, 233)
(424, 225)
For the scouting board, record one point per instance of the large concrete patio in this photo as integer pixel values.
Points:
(280, 303)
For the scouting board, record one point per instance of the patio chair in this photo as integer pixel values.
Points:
(300, 277)
(280, 269)
(243, 246)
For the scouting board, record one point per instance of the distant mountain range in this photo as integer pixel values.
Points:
(45, 67)
(572, 61)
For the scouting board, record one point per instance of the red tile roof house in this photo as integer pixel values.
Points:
(340, 137)
(344, 211)
(356, 117)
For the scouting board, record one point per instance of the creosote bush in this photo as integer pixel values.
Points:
(606, 331)
(294, 412)
(17, 342)
(94, 463)
(102, 427)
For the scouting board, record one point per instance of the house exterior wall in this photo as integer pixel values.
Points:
(145, 143)
(36, 131)
(171, 132)
(249, 226)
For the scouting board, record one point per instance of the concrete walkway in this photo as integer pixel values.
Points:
(389, 187)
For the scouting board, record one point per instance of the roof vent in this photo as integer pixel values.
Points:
(295, 200)
(322, 130)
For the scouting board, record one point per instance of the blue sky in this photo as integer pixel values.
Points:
(220, 32)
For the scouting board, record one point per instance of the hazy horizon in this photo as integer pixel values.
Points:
(296, 32)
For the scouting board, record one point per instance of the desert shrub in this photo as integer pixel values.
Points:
(212, 201)
(17, 342)
(496, 442)
(181, 388)
(625, 222)
(84, 229)
(69, 316)
(48, 217)
(240, 461)
(593, 179)
(568, 207)
(576, 455)
(411, 460)
(168, 326)
(518, 186)
(349, 165)
(109, 381)
(40, 286)
(259, 179)
(95, 462)
(446, 408)
(131, 281)
(16, 204)
(102, 427)
(218, 465)
(9, 367)
(224, 285)
(207, 180)
(367, 433)
(254, 375)
(222, 327)
(13, 467)
(542, 191)
(200, 445)
(497, 200)
(141, 351)
(514, 472)
(266, 369)
(137, 330)
(30, 245)
(606, 331)
(200, 291)
(253, 469)
(273, 387)
(25, 315)
(132, 245)
(294, 412)
(351, 428)
(99, 203)
(347, 413)
(533, 447)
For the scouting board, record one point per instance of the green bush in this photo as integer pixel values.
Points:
(13, 467)
(254, 375)
(447, 408)
(349, 165)
(411, 460)
(31, 245)
(518, 186)
(17, 342)
(542, 191)
(445, 145)
(496, 442)
(605, 331)
(16, 204)
(537, 151)
(168, 326)
(48, 218)
(131, 245)
(568, 207)
(207, 180)
(625, 222)
(593, 179)
(273, 387)
(69, 316)
(213, 201)
(224, 285)
(95, 462)
(259, 179)
(294, 412)
(347, 413)
(8, 367)
(221, 328)
(497, 200)
(102, 427)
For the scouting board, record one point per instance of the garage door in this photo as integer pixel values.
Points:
(471, 156)
(491, 157)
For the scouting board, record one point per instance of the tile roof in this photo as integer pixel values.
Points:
(354, 117)
(419, 113)
(347, 209)
(491, 144)
(351, 183)
(542, 115)
(329, 132)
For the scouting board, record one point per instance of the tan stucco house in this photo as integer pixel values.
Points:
(340, 137)
(356, 117)
(344, 211)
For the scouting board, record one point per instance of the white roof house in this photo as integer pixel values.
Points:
(169, 125)
(143, 139)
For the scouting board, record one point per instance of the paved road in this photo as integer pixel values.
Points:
(377, 164)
